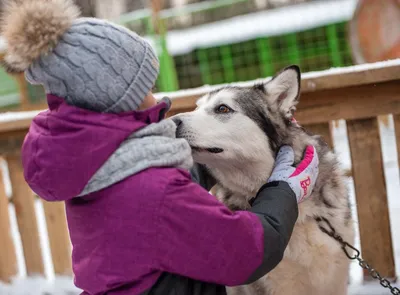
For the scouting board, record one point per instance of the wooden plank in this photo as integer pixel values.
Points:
(8, 260)
(316, 81)
(351, 103)
(343, 77)
(23, 200)
(351, 76)
(58, 237)
(323, 129)
(371, 196)
(15, 125)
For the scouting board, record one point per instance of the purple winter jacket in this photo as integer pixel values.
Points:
(126, 235)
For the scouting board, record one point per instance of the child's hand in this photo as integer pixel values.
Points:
(301, 178)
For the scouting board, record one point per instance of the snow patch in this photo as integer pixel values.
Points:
(40, 286)
(17, 116)
(352, 69)
(3, 44)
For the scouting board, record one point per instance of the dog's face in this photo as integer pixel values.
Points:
(236, 125)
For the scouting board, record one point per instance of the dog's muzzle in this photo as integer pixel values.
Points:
(179, 125)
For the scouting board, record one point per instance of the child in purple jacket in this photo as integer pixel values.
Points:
(138, 223)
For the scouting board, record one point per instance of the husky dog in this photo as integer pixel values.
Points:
(236, 132)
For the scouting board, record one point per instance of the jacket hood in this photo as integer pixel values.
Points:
(66, 145)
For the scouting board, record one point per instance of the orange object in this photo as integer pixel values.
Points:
(375, 31)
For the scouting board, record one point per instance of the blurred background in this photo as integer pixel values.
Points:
(221, 41)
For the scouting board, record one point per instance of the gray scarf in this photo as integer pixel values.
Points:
(153, 146)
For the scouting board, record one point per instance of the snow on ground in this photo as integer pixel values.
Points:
(64, 286)
(266, 23)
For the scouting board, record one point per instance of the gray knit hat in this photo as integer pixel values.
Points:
(91, 63)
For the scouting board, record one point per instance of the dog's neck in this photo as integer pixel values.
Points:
(244, 179)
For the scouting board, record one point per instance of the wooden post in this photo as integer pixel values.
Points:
(58, 237)
(168, 78)
(8, 260)
(156, 6)
(370, 188)
(23, 91)
(23, 199)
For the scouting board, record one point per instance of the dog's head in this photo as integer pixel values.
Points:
(234, 125)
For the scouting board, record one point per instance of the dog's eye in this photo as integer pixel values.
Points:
(223, 109)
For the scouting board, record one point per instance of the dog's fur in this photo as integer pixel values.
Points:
(258, 121)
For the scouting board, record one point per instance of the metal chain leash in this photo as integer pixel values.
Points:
(346, 247)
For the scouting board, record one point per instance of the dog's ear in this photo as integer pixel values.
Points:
(283, 90)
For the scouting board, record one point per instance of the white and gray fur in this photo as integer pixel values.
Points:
(238, 148)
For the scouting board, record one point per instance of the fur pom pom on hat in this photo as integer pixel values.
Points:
(33, 28)
(91, 63)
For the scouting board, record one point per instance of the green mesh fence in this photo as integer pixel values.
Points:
(36, 93)
(313, 50)
(8, 89)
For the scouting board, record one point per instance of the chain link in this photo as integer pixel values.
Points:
(348, 249)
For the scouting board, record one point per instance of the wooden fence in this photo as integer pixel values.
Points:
(358, 95)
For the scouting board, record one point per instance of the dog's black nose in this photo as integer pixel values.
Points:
(177, 121)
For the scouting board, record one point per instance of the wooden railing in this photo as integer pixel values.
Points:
(358, 95)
